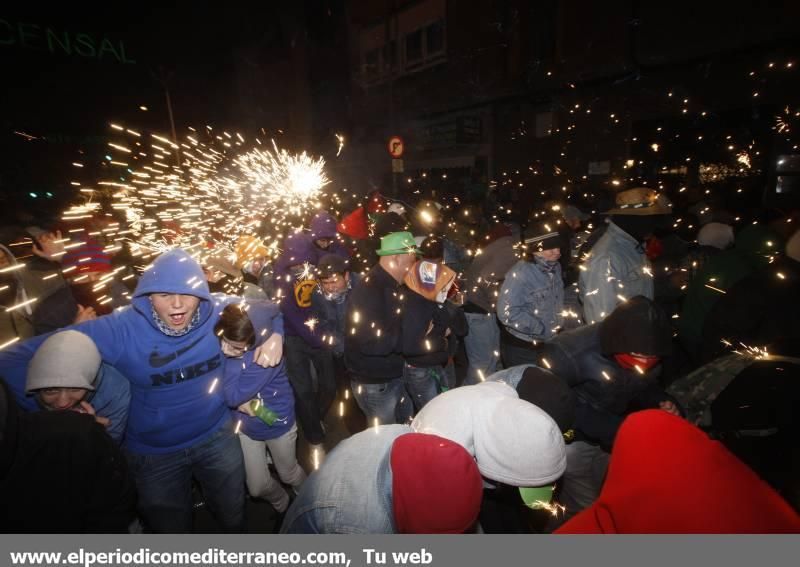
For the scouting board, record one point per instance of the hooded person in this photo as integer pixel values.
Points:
(531, 299)
(324, 235)
(426, 325)
(178, 422)
(60, 473)
(502, 510)
(705, 490)
(329, 305)
(295, 281)
(67, 373)
(617, 266)
(513, 441)
(389, 480)
(756, 246)
(263, 400)
(612, 368)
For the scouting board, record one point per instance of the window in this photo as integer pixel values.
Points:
(434, 38)
(414, 47)
(425, 46)
(389, 56)
(372, 63)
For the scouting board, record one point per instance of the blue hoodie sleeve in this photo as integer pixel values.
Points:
(117, 393)
(243, 379)
(105, 331)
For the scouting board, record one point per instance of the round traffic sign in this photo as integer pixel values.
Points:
(395, 146)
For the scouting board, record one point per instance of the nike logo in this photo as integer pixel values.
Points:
(157, 361)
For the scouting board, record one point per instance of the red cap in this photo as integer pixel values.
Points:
(354, 225)
(436, 486)
(666, 476)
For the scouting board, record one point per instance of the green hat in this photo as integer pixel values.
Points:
(537, 497)
(397, 243)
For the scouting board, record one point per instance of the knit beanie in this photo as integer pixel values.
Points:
(436, 486)
(716, 234)
(68, 359)
(88, 257)
(549, 393)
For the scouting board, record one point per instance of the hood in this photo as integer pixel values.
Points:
(428, 278)
(323, 225)
(298, 248)
(436, 487)
(261, 314)
(637, 325)
(68, 359)
(174, 271)
(513, 441)
(666, 476)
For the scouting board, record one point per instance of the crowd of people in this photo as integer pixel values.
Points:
(577, 372)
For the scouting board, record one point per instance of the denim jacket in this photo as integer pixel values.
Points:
(617, 259)
(351, 493)
(510, 376)
(532, 300)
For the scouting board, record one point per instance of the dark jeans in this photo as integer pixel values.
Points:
(164, 484)
(514, 355)
(313, 394)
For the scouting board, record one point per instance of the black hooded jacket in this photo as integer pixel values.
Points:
(605, 391)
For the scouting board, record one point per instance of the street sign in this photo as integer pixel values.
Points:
(397, 166)
(395, 147)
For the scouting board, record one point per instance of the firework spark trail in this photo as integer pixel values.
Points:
(214, 196)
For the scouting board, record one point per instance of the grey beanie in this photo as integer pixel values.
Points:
(68, 359)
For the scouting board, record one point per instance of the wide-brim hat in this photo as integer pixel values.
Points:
(640, 201)
(397, 243)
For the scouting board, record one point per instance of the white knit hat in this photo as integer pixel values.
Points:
(513, 441)
(68, 359)
(716, 234)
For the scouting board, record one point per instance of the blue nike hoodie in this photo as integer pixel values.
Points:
(176, 390)
(245, 380)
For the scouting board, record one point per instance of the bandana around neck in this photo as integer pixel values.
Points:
(169, 331)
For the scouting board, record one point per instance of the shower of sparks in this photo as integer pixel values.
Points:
(340, 139)
(218, 192)
(743, 158)
(213, 386)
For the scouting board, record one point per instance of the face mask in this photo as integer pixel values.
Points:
(630, 361)
(336, 297)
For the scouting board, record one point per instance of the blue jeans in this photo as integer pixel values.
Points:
(423, 383)
(387, 401)
(481, 344)
(164, 484)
